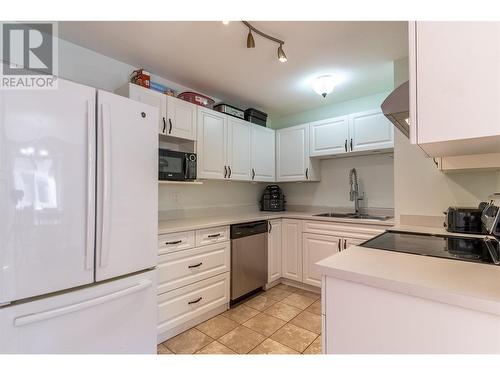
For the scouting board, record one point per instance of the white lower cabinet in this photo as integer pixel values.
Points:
(317, 247)
(193, 278)
(184, 304)
(291, 254)
(274, 251)
(186, 267)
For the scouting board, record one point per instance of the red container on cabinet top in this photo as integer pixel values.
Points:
(196, 98)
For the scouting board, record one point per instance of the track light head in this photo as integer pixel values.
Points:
(250, 40)
(281, 54)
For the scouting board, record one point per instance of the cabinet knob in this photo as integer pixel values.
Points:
(345, 145)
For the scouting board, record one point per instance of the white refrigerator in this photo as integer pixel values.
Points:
(78, 222)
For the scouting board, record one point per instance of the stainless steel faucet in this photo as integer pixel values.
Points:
(354, 194)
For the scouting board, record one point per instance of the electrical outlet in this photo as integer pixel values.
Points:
(176, 196)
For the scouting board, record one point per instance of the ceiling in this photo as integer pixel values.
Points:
(212, 57)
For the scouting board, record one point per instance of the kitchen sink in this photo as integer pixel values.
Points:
(353, 215)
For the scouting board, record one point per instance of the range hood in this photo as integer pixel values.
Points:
(396, 107)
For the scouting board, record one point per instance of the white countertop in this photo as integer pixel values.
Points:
(179, 225)
(466, 284)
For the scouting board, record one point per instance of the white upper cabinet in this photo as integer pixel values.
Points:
(176, 118)
(366, 131)
(211, 144)
(455, 87)
(181, 118)
(370, 131)
(263, 154)
(329, 137)
(292, 148)
(238, 149)
(148, 96)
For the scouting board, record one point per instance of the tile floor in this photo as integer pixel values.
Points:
(281, 320)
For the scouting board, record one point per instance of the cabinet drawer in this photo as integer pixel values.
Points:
(183, 304)
(212, 235)
(168, 243)
(189, 266)
(361, 231)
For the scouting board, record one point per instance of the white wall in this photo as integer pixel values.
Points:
(420, 188)
(375, 177)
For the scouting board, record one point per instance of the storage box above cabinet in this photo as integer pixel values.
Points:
(177, 118)
(455, 87)
(367, 131)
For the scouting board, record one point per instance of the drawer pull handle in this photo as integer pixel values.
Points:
(195, 265)
(214, 235)
(195, 301)
(173, 242)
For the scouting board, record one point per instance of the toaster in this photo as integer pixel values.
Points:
(272, 199)
(465, 220)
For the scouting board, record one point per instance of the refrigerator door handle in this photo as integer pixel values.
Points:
(49, 314)
(106, 178)
(89, 247)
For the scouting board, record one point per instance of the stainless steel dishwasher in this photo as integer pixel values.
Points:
(248, 259)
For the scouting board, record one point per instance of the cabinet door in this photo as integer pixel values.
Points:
(293, 155)
(457, 75)
(351, 242)
(291, 256)
(370, 130)
(154, 98)
(211, 144)
(263, 154)
(238, 149)
(181, 118)
(317, 247)
(329, 137)
(274, 251)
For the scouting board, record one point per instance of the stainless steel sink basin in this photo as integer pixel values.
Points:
(354, 216)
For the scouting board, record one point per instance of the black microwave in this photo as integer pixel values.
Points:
(176, 165)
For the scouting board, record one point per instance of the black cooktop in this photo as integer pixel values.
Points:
(480, 250)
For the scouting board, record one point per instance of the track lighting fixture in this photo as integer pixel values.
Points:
(251, 42)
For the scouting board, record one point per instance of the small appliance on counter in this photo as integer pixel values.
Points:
(465, 219)
(195, 98)
(480, 249)
(256, 117)
(272, 199)
(176, 165)
(230, 110)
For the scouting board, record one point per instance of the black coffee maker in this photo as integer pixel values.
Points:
(272, 199)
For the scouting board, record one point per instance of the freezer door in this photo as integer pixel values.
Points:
(113, 317)
(47, 189)
(127, 186)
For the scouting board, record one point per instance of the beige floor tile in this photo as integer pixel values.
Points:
(288, 288)
(217, 327)
(309, 321)
(315, 347)
(269, 346)
(315, 308)
(260, 302)
(299, 301)
(240, 314)
(294, 337)
(241, 339)
(162, 349)
(283, 311)
(264, 324)
(215, 348)
(309, 294)
(277, 293)
(188, 342)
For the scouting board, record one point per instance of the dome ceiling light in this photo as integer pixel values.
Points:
(324, 85)
(251, 42)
